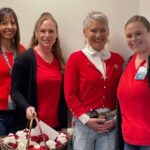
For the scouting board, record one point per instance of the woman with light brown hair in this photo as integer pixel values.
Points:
(37, 77)
(134, 88)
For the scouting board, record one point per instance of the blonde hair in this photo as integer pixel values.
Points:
(56, 49)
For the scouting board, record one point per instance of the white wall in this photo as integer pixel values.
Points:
(70, 14)
(144, 8)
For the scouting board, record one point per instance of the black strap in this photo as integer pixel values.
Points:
(126, 63)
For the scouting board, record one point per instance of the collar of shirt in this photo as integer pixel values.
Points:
(103, 54)
(97, 58)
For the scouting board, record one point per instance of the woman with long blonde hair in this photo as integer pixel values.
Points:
(37, 77)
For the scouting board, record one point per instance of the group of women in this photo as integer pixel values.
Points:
(36, 82)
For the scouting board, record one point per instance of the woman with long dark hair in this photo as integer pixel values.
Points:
(10, 48)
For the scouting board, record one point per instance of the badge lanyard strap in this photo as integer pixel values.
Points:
(7, 61)
(141, 64)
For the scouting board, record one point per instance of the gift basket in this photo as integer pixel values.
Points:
(42, 137)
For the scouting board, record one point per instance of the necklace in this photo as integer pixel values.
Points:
(7, 61)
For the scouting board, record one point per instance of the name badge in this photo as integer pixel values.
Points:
(141, 73)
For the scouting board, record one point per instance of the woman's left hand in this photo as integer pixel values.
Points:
(111, 124)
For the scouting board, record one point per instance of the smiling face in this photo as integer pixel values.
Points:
(8, 28)
(96, 34)
(46, 33)
(138, 37)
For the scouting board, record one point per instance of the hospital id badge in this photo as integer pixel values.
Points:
(141, 73)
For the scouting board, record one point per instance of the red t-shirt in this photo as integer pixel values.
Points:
(49, 80)
(5, 78)
(134, 98)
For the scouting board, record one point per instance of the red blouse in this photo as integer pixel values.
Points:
(49, 80)
(5, 78)
(134, 98)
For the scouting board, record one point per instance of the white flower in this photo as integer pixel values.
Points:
(21, 134)
(11, 134)
(62, 138)
(21, 146)
(22, 140)
(35, 144)
(70, 131)
(9, 139)
(51, 144)
(42, 144)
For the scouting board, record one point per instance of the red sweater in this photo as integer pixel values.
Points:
(5, 78)
(85, 87)
(49, 80)
(134, 98)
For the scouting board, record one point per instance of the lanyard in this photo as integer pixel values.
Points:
(7, 61)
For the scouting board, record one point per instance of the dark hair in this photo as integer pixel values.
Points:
(4, 12)
(56, 49)
(141, 19)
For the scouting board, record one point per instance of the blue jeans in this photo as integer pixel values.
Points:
(133, 147)
(6, 123)
(85, 138)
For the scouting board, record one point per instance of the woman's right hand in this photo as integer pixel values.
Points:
(98, 125)
(30, 112)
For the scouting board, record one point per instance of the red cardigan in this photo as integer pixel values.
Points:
(5, 79)
(85, 87)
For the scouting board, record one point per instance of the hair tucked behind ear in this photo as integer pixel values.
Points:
(148, 72)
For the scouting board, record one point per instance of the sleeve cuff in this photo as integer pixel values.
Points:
(84, 118)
